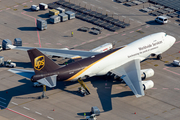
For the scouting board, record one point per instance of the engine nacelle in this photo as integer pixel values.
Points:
(146, 73)
(147, 84)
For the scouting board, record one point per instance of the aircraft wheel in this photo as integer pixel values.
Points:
(159, 57)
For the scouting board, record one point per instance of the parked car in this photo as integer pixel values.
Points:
(37, 84)
(162, 19)
(176, 63)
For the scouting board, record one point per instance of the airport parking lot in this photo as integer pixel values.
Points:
(114, 99)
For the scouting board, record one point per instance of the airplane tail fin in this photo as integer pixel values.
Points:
(41, 63)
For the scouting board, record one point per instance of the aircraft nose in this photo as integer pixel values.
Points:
(171, 40)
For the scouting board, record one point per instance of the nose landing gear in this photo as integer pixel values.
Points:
(159, 57)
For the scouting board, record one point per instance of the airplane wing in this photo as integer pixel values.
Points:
(131, 74)
(66, 53)
(22, 72)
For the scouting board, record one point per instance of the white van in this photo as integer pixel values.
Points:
(161, 19)
(34, 7)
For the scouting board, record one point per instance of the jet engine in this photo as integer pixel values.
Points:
(148, 84)
(146, 73)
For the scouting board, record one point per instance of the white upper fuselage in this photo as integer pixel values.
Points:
(140, 49)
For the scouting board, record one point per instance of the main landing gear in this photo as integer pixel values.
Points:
(43, 93)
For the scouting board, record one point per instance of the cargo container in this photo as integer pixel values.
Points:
(71, 15)
(53, 12)
(55, 19)
(17, 42)
(6, 42)
(1, 61)
(41, 24)
(63, 17)
(61, 10)
(43, 6)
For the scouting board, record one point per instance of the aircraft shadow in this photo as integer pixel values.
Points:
(26, 90)
(28, 28)
(104, 91)
(23, 64)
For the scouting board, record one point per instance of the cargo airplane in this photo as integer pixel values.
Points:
(123, 61)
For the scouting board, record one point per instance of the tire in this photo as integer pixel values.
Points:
(159, 57)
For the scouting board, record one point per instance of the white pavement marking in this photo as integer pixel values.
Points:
(84, 2)
(98, 1)
(38, 113)
(108, 10)
(176, 23)
(2, 98)
(139, 22)
(26, 108)
(99, 7)
(91, 4)
(14, 103)
(116, 13)
(2, 102)
(115, 7)
(50, 118)
(171, 34)
(131, 19)
(124, 16)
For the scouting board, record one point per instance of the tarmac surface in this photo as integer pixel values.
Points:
(19, 100)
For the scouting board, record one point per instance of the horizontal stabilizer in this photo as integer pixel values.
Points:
(22, 72)
(49, 81)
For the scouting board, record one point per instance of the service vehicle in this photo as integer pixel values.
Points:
(37, 84)
(176, 63)
(82, 91)
(34, 7)
(1, 61)
(92, 117)
(95, 110)
(9, 63)
(0, 47)
(43, 6)
(161, 19)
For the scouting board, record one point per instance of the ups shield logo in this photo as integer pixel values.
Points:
(39, 62)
